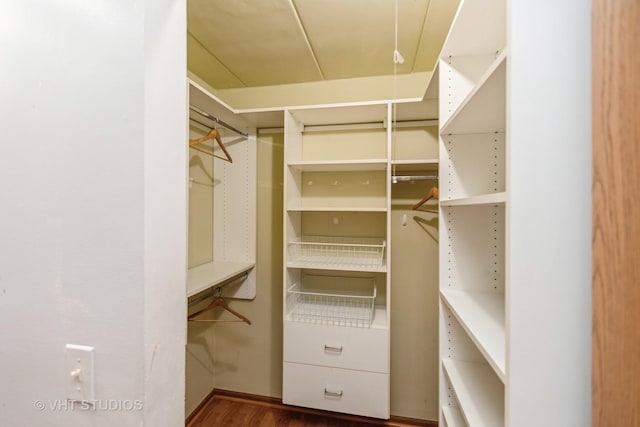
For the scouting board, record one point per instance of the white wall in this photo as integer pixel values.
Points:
(549, 99)
(165, 219)
(82, 200)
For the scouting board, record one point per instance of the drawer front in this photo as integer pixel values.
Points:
(338, 390)
(340, 347)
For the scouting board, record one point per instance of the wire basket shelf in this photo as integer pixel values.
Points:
(353, 308)
(365, 252)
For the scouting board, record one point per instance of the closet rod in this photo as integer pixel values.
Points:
(216, 120)
(397, 178)
(370, 125)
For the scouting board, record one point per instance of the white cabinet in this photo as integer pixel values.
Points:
(336, 269)
(333, 389)
(497, 335)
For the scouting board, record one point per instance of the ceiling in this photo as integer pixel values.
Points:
(252, 43)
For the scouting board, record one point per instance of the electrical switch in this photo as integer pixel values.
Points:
(79, 364)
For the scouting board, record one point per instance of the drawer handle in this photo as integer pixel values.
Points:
(329, 393)
(334, 349)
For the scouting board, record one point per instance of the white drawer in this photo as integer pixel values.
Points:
(340, 347)
(338, 390)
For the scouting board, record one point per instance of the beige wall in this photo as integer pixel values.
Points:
(200, 205)
(414, 307)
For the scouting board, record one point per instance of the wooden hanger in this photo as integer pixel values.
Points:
(214, 134)
(433, 193)
(218, 302)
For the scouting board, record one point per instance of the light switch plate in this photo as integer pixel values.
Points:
(80, 374)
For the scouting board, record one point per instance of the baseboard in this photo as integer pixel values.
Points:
(276, 403)
(198, 408)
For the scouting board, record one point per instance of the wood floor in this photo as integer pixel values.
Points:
(230, 409)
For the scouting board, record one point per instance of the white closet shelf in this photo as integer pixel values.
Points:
(453, 417)
(411, 162)
(483, 109)
(483, 199)
(335, 209)
(479, 393)
(339, 165)
(206, 276)
(415, 165)
(338, 267)
(481, 314)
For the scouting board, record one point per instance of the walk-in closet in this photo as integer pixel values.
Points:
(321, 212)
(368, 210)
(371, 253)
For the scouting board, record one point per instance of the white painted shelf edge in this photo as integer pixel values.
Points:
(481, 314)
(337, 267)
(483, 199)
(414, 167)
(415, 161)
(339, 165)
(453, 417)
(335, 209)
(205, 276)
(444, 130)
(478, 391)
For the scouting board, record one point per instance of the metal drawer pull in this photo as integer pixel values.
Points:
(335, 349)
(332, 393)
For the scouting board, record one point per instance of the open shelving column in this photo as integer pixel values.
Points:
(515, 234)
(473, 196)
(232, 187)
(336, 259)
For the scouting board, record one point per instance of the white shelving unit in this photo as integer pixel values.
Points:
(336, 259)
(414, 149)
(473, 196)
(514, 261)
(229, 191)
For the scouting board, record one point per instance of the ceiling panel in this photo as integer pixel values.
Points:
(206, 66)
(249, 43)
(356, 38)
(258, 41)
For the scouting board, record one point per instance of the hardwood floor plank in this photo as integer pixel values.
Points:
(231, 409)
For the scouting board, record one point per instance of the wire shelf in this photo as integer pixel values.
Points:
(364, 252)
(353, 306)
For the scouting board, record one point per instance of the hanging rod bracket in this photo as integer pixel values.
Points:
(214, 119)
